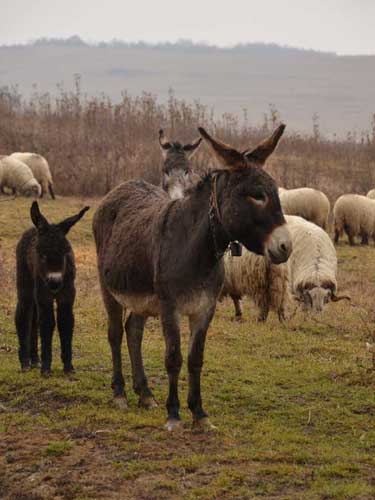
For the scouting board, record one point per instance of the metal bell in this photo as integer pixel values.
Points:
(235, 249)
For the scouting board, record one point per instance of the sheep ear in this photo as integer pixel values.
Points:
(226, 155)
(39, 221)
(260, 154)
(190, 149)
(164, 144)
(68, 223)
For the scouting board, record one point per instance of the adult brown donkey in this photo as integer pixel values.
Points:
(158, 256)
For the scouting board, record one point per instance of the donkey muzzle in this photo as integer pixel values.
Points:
(279, 245)
(54, 281)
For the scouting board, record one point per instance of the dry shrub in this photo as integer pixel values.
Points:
(93, 144)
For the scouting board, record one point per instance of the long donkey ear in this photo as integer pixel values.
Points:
(164, 144)
(191, 148)
(68, 223)
(260, 154)
(226, 155)
(39, 221)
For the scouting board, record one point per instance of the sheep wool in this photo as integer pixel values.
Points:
(40, 169)
(266, 284)
(312, 264)
(311, 204)
(17, 176)
(354, 214)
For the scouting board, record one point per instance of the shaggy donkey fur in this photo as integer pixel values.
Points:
(158, 256)
(45, 273)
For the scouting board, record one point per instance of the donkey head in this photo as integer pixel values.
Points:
(178, 175)
(52, 246)
(246, 200)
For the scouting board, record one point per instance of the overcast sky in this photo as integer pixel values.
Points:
(342, 26)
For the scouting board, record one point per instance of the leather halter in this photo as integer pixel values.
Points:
(214, 213)
(214, 216)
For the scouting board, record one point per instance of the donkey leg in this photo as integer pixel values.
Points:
(65, 325)
(23, 319)
(115, 334)
(46, 325)
(173, 361)
(134, 333)
(34, 339)
(198, 330)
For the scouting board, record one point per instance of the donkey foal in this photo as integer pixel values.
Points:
(45, 273)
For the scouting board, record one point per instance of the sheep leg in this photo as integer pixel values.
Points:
(237, 307)
(364, 238)
(337, 235)
(281, 314)
(173, 360)
(198, 330)
(65, 325)
(264, 309)
(34, 339)
(50, 189)
(46, 326)
(134, 327)
(23, 320)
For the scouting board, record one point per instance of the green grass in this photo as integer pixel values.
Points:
(294, 404)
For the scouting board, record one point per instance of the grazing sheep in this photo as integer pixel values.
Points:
(309, 275)
(178, 176)
(255, 276)
(311, 204)
(17, 176)
(45, 273)
(312, 265)
(371, 194)
(354, 214)
(40, 169)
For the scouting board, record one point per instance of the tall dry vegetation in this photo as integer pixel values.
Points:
(92, 144)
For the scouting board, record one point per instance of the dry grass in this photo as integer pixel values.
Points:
(93, 144)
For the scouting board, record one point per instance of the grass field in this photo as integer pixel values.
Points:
(294, 404)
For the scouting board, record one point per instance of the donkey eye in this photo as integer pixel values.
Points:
(258, 198)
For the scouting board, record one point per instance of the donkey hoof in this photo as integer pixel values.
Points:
(238, 319)
(203, 425)
(147, 402)
(173, 424)
(69, 370)
(121, 403)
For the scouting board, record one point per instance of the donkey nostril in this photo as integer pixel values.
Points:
(283, 247)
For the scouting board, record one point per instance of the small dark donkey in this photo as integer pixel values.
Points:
(45, 273)
(158, 256)
(177, 173)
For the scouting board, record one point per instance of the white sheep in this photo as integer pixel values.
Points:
(309, 276)
(18, 177)
(371, 194)
(40, 168)
(254, 276)
(354, 214)
(311, 204)
(312, 265)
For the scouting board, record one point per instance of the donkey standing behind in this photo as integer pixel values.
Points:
(177, 173)
(45, 273)
(158, 256)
